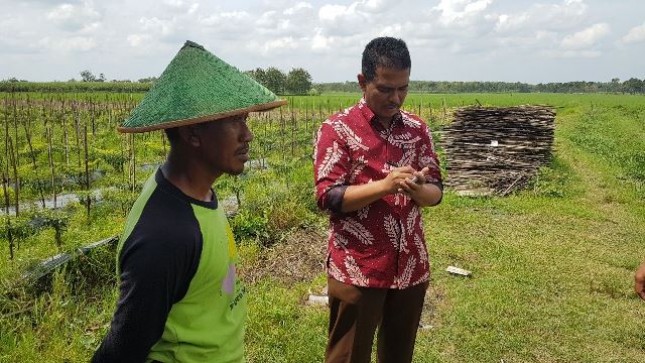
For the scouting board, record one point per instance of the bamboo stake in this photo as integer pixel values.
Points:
(50, 159)
(88, 199)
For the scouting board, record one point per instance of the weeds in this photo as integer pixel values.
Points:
(552, 265)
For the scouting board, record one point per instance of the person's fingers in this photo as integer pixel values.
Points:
(639, 287)
(419, 178)
(639, 281)
(402, 177)
(398, 175)
(401, 186)
(641, 294)
(408, 186)
(640, 290)
(405, 169)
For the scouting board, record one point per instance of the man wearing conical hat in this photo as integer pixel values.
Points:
(180, 299)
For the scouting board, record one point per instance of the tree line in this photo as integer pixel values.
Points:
(631, 86)
(298, 81)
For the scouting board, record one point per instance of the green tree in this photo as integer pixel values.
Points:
(147, 80)
(275, 80)
(259, 75)
(634, 85)
(615, 85)
(88, 76)
(271, 78)
(298, 81)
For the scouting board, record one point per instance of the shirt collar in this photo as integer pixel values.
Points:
(369, 115)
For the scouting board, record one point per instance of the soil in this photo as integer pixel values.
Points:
(298, 258)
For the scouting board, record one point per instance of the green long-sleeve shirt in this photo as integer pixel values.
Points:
(180, 299)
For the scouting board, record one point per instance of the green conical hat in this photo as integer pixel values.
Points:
(197, 87)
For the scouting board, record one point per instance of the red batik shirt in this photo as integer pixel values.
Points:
(381, 245)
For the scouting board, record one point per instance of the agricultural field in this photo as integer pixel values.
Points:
(552, 264)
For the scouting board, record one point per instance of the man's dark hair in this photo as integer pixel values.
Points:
(173, 135)
(386, 52)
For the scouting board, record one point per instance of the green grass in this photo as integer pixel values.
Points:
(552, 265)
(281, 328)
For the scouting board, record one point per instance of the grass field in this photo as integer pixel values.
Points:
(552, 265)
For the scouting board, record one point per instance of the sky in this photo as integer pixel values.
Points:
(538, 41)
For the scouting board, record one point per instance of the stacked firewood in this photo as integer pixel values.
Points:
(496, 150)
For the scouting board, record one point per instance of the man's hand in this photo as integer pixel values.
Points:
(395, 181)
(403, 179)
(639, 281)
(414, 184)
(359, 196)
(424, 194)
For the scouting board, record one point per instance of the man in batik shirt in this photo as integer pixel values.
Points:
(375, 167)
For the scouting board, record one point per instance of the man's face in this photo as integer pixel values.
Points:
(386, 92)
(225, 144)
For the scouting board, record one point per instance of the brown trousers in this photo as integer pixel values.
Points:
(356, 312)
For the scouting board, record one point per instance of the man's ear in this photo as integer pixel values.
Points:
(362, 81)
(190, 135)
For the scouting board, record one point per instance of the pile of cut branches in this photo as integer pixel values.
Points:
(496, 150)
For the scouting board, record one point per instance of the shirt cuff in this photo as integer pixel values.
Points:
(334, 198)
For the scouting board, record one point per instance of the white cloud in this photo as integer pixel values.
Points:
(320, 42)
(635, 35)
(162, 27)
(234, 26)
(272, 24)
(75, 17)
(394, 30)
(69, 44)
(539, 41)
(330, 13)
(226, 17)
(188, 7)
(573, 54)
(375, 6)
(455, 36)
(346, 21)
(460, 12)
(554, 16)
(137, 40)
(277, 46)
(275, 4)
(542, 16)
(355, 11)
(585, 38)
(298, 8)
(175, 3)
(508, 23)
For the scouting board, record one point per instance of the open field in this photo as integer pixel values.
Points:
(552, 265)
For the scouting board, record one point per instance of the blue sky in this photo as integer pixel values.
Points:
(450, 40)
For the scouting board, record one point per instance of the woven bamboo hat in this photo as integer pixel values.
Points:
(197, 87)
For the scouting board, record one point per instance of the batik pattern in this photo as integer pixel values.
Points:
(381, 245)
